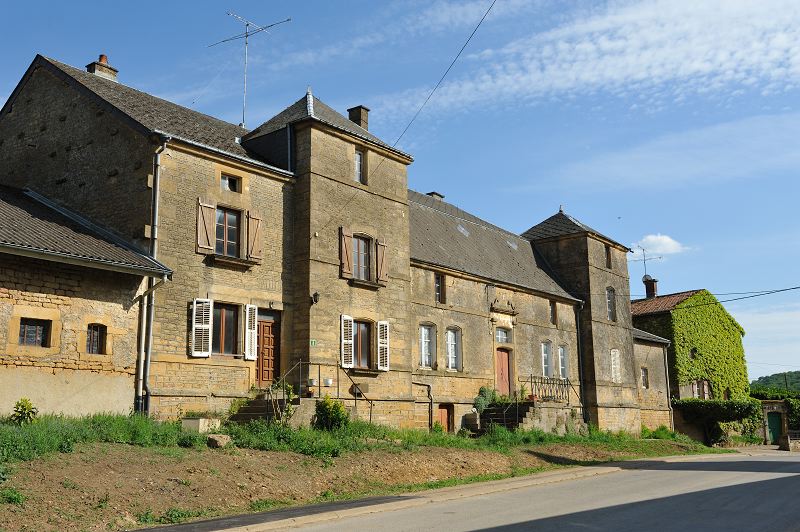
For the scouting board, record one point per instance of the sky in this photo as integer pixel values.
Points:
(670, 125)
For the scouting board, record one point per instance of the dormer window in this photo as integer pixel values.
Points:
(231, 183)
(360, 174)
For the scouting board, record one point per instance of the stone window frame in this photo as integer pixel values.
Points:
(432, 343)
(240, 218)
(645, 377)
(459, 348)
(18, 312)
(108, 346)
(609, 259)
(508, 332)
(611, 303)
(562, 357)
(439, 288)
(360, 171)
(547, 355)
(553, 312)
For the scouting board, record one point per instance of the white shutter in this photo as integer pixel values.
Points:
(250, 332)
(347, 342)
(202, 327)
(616, 374)
(383, 345)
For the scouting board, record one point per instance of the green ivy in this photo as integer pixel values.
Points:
(719, 418)
(793, 405)
(701, 323)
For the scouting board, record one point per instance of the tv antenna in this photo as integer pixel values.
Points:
(644, 258)
(246, 36)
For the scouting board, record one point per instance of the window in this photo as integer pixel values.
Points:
(231, 183)
(439, 287)
(645, 379)
(727, 394)
(34, 332)
(616, 370)
(563, 369)
(226, 329)
(362, 343)
(547, 359)
(611, 303)
(553, 313)
(360, 174)
(427, 345)
(608, 257)
(96, 339)
(361, 258)
(453, 341)
(227, 232)
(503, 336)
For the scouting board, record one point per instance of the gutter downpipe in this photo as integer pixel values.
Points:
(148, 347)
(430, 403)
(578, 310)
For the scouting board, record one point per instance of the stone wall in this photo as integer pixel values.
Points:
(654, 401)
(63, 377)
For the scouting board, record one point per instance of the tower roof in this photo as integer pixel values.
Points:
(562, 224)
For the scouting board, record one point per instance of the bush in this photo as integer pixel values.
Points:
(437, 427)
(712, 414)
(486, 396)
(330, 415)
(11, 496)
(793, 406)
(24, 412)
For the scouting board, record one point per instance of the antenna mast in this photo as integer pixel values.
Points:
(246, 36)
(644, 258)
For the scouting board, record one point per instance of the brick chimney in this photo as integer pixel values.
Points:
(650, 286)
(360, 115)
(102, 68)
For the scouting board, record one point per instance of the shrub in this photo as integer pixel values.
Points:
(486, 396)
(793, 406)
(438, 428)
(24, 412)
(711, 414)
(12, 496)
(330, 414)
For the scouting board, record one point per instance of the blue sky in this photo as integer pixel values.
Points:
(663, 123)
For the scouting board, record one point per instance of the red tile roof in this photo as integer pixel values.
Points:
(656, 305)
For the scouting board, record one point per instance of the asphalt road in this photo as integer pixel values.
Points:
(715, 492)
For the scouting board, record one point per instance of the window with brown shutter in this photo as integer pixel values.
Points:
(227, 232)
(381, 262)
(345, 255)
(206, 237)
(361, 256)
(255, 238)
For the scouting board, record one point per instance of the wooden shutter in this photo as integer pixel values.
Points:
(383, 345)
(206, 239)
(381, 264)
(346, 252)
(348, 357)
(250, 332)
(202, 327)
(255, 237)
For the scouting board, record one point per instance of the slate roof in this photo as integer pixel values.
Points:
(639, 334)
(311, 107)
(659, 304)
(30, 225)
(444, 235)
(561, 224)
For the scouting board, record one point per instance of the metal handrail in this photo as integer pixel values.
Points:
(362, 395)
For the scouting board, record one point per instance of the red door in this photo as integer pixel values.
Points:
(445, 417)
(502, 371)
(268, 352)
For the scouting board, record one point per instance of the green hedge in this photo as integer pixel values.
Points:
(719, 418)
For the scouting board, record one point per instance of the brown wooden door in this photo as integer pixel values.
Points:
(502, 371)
(268, 352)
(445, 417)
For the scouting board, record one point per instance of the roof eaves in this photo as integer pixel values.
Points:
(248, 160)
(368, 140)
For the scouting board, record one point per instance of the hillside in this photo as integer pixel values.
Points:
(778, 380)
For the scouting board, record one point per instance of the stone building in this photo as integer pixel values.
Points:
(297, 252)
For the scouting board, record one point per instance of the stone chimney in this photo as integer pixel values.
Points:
(650, 286)
(360, 115)
(102, 68)
(435, 195)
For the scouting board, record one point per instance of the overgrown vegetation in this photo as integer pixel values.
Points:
(330, 414)
(24, 412)
(713, 415)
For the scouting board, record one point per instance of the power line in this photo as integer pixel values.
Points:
(740, 298)
(421, 107)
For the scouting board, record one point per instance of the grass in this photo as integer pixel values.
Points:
(263, 505)
(171, 516)
(11, 496)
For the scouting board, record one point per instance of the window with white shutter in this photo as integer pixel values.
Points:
(616, 371)
(347, 341)
(202, 312)
(383, 345)
(250, 332)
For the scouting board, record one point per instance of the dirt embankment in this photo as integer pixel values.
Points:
(117, 487)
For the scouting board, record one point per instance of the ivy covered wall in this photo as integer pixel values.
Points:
(701, 324)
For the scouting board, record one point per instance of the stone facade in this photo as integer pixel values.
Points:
(62, 378)
(294, 225)
(654, 397)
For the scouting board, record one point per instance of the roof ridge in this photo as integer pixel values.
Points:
(694, 291)
(59, 64)
(481, 222)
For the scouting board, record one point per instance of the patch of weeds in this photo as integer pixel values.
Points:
(184, 482)
(70, 485)
(214, 471)
(177, 515)
(102, 504)
(12, 496)
(262, 505)
(147, 517)
(327, 495)
(5, 472)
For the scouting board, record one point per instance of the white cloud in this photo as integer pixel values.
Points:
(653, 50)
(753, 146)
(659, 244)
